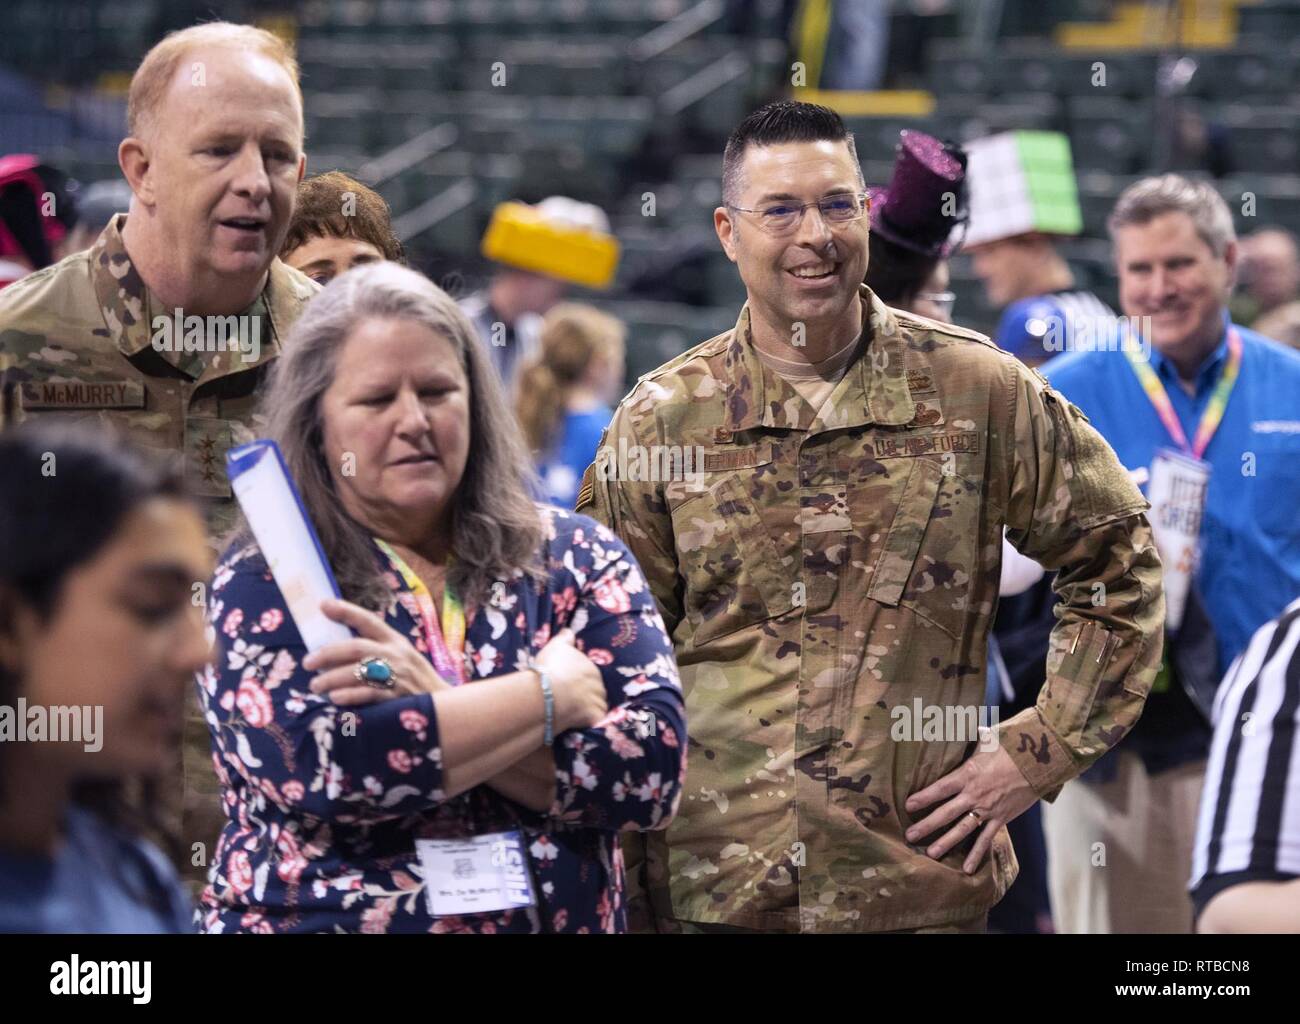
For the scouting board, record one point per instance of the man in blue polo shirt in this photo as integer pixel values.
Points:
(1120, 838)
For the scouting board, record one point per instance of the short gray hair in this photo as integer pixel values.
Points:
(497, 528)
(1149, 198)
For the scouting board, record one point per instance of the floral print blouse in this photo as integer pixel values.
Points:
(325, 804)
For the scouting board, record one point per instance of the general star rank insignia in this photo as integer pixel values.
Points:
(206, 442)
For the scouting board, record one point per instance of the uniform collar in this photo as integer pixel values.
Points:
(872, 390)
(1208, 372)
(128, 308)
(883, 369)
(121, 293)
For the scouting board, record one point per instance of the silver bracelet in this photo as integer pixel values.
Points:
(548, 701)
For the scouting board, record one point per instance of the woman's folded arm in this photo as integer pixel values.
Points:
(300, 749)
(626, 771)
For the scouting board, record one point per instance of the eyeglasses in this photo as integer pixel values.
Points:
(944, 301)
(781, 218)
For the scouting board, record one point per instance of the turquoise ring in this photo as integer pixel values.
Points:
(374, 672)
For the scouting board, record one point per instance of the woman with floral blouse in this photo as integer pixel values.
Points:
(509, 702)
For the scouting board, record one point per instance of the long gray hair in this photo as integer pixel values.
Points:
(497, 529)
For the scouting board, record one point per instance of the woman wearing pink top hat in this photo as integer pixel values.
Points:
(912, 220)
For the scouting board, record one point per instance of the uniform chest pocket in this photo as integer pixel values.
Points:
(733, 575)
(931, 552)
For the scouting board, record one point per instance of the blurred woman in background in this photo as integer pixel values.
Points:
(912, 222)
(564, 398)
(99, 636)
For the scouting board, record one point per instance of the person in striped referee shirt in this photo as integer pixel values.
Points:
(1246, 861)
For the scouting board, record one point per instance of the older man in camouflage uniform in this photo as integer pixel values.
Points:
(828, 567)
(163, 329)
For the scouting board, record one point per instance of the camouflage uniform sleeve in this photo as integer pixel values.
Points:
(1072, 507)
(637, 511)
(10, 398)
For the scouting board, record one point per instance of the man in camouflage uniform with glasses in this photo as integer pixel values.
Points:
(817, 499)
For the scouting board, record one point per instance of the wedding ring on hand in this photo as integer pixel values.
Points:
(374, 672)
(976, 815)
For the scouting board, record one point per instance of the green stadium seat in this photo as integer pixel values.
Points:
(1098, 191)
(426, 66)
(619, 125)
(1042, 112)
(1026, 65)
(1260, 199)
(1262, 139)
(1115, 73)
(1110, 133)
(1269, 21)
(954, 67)
(320, 160)
(1231, 74)
(660, 331)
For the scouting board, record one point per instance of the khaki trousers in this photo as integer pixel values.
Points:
(1119, 853)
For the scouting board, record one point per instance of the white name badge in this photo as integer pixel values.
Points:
(476, 875)
(1177, 496)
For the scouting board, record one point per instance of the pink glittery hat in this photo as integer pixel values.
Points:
(926, 197)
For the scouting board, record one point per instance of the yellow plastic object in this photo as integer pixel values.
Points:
(1143, 26)
(883, 103)
(520, 237)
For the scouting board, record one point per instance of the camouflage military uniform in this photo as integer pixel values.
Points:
(825, 569)
(77, 339)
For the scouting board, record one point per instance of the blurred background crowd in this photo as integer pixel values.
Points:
(460, 127)
(626, 106)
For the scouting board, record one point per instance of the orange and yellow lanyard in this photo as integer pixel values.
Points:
(446, 643)
(1214, 408)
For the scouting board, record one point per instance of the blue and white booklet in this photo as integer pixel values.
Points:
(287, 538)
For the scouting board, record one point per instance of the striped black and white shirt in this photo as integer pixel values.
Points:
(1249, 824)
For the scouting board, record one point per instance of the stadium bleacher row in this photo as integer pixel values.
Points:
(449, 108)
